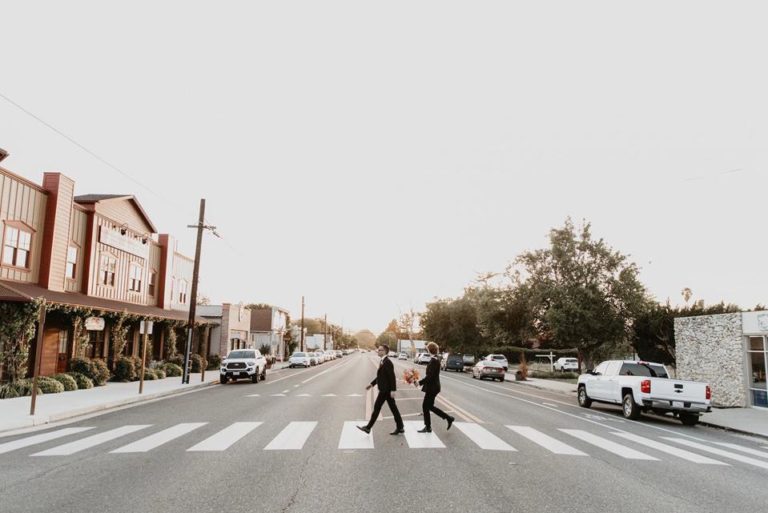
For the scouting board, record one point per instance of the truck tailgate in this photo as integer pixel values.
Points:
(678, 390)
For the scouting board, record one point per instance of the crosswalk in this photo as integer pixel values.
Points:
(296, 435)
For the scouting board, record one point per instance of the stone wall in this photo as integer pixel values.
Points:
(711, 348)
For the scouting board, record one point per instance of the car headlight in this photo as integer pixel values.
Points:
(250, 363)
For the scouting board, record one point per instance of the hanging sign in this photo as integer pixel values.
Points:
(94, 324)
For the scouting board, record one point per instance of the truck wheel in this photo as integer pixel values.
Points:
(583, 398)
(255, 377)
(629, 407)
(223, 379)
(689, 419)
(264, 374)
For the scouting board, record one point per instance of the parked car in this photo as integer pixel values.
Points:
(339, 353)
(320, 357)
(567, 364)
(454, 362)
(469, 361)
(424, 358)
(243, 363)
(402, 356)
(644, 386)
(488, 369)
(500, 358)
(299, 358)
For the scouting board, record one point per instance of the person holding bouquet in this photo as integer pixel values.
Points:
(386, 382)
(430, 385)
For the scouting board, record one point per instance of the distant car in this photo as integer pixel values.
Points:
(299, 358)
(488, 369)
(469, 361)
(243, 363)
(454, 362)
(320, 357)
(392, 354)
(499, 358)
(402, 356)
(567, 364)
(424, 358)
(339, 353)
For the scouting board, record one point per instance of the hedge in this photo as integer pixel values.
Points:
(66, 380)
(83, 381)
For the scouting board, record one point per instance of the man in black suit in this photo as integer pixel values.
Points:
(385, 380)
(430, 385)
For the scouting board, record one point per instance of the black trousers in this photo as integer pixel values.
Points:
(429, 406)
(379, 402)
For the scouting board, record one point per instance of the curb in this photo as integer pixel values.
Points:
(42, 420)
(732, 430)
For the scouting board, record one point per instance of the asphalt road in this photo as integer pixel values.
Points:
(283, 446)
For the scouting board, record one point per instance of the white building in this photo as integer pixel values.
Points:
(232, 326)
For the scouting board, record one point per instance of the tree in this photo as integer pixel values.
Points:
(387, 338)
(452, 324)
(582, 293)
(365, 339)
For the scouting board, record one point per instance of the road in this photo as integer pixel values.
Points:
(289, 445)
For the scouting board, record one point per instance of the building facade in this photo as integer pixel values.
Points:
(268, 327)
(230, 329)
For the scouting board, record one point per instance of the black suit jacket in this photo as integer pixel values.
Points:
(431, 382)
(385, 377)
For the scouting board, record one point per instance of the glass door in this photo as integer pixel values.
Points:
(757, 353)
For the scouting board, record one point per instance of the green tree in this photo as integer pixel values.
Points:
(582, 293)
(452, 324)
(388, 338)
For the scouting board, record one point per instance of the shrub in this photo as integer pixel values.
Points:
(125, 370)
(96, 370)
(172, 370)
(552, 375)
(66, 380)
(20, 388)
(83, 381)
(214, 362)
(160, 373)
(49, 385)
(149, 374)
(176, 360)
(198, 362)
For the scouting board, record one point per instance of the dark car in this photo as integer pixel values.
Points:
(469, 361)
(455, 362)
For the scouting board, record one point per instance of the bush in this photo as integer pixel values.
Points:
(172, 370)
(552, 375)
(83, 381)
(149, 375)
(160, 373)
(214, 362)
(96, 370)
(176, 360)
(125, 369)
(198, 362)
(66, 380)
(49, 385)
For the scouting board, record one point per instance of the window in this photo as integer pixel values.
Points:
(107, 270)
(151, 283)
(63, 341)
(134, 280)
(183, 292)
(71, 262)
(757, 355)
(16, 247)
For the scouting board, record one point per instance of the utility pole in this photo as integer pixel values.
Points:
(38, 355)
(302, 324)
(193, 296)
(325, 332)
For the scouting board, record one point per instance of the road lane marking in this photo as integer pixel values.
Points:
(747, 450)
(674, 451)
(719, 452)
(551, 444)
(253, 395)
(420, 440)
(482, 437)
(550, 404)
(613, 447)
(292, 437)
(150, 442)
(304, 395)
(222, 440)
(91, 441)
(368, 403)
(278, 395)
(334, 368)
(285, 391)
(460, 411)
(355, 395)
(353, 438)
(38, 439)
(329, 395)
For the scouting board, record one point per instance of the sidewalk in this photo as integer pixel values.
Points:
(752, 421)
(14, 413)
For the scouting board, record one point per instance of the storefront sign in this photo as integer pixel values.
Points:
(123, 242)
(754, 323)
(148, 325)
(94, 324)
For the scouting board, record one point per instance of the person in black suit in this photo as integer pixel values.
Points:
(386, 382)
(430, 385)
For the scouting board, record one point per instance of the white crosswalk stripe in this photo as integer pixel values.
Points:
(608, 445)
(38, 439)
(353, 438)
(719, 452)
(418, 440)
(482, 437)
(153, 441)
(746, 450)
(92, 441)
(674, 451)
(224, 439)
(292, 437)
(553, 445)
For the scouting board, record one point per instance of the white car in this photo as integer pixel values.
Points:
(499, 358)
(299, 359)
(243, 363)
(424, 358)
(402, 356)
(567, 364)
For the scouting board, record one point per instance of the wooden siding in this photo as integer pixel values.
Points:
(26, 203)
(50, 352)
(78, 229)
(125, 211)
(182, 270)
(58, 219)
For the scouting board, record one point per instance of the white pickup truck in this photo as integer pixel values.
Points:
(644, 386)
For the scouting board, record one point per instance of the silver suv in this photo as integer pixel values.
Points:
(243, 363)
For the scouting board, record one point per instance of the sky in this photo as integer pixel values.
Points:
(373, 156)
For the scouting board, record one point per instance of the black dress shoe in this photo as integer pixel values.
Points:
(450, 422)
(366, 429)
(425, 430)
(398, 431)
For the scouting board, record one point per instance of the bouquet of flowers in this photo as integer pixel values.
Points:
(411, 376)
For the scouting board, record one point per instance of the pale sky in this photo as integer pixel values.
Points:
(373, 156)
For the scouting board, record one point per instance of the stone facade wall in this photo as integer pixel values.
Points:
(711, 348)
